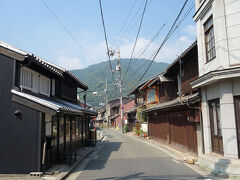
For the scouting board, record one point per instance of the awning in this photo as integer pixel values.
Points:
(214, 76)
(48, 106)
(176, 102)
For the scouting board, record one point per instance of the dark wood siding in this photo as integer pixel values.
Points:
(19, 138)
(190, 71)
(172, 127)
(167, 91)
(68, 92)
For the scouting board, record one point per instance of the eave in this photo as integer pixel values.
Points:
(202, 10)
(214, 76)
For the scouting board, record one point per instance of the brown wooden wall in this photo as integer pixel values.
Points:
(190, 72)
(174, 128)
(167, 91)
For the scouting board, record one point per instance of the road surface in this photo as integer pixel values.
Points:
(123, 157)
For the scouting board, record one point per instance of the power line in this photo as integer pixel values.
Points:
(129, 14)
(66, 29)
(130, 28)
(172, 29)
(116, 44)
(108, 52)
(143, 50)
(135, 43)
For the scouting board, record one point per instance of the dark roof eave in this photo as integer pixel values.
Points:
(195, 99)
(80, 83)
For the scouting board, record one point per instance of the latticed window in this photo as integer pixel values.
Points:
(26, 78)
(209, 39)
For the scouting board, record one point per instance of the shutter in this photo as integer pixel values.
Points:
(53, 87)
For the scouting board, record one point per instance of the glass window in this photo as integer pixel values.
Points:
(209, 39)
(216, 125)
(151, 96)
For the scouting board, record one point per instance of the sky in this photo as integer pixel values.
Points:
(30, 26)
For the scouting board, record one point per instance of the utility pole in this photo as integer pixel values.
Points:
(118, 68)
(106, 106)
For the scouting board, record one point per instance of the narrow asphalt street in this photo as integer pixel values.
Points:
(123, 157)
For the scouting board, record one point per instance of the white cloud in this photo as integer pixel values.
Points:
(70, 62)
(168, 53)
(190, 30)
(71, 57)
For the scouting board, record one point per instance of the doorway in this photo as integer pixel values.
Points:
(216, 126)
(237, 114)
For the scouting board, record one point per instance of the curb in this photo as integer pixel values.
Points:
(74, 166)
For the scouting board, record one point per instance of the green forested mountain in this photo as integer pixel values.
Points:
(95, 75)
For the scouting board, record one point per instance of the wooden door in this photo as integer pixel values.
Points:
(171, 128)
(237, 113)
(192, 137)
(216, 126)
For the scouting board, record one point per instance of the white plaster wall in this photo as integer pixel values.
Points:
(228, 119)
(226, 22)
(232, 15)
(224, 90)
(206, 122)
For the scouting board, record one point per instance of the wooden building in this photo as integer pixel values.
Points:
(41, 122)
(172, 106)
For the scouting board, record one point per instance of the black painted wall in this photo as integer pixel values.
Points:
(19, 137)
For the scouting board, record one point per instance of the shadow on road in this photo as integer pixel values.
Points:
(141, 175)
(100, 160)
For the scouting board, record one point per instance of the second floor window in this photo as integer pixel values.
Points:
(27, 78)
(35, 82)
(151, 96)
(209, 39)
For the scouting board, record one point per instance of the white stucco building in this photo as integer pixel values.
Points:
(218, 36)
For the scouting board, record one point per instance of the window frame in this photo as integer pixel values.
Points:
(33, 81)
(152, 89)
(219, 136)
(207, 32)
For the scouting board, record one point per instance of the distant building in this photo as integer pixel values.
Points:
(41, 122)
(115, 109)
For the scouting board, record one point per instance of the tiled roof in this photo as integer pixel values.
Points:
(46, 64)
(12, 48)
(55, 105)
(176, 102)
